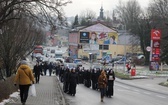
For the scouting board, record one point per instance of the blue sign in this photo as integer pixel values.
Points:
(84, 37)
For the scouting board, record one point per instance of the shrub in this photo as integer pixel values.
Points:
(7, 88)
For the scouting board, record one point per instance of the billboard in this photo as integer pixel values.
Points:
(155, 46)
(103, 38)
(84, 37)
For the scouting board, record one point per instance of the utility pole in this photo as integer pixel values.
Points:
(124, 47)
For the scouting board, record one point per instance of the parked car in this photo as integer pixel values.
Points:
(97, 66)
(60, 59)
(70, 65)
(78, 62)
(69, 60)
(121, 61)
(85, 58)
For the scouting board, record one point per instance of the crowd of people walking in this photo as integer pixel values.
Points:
(97, 79)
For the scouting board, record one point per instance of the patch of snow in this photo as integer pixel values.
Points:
(13, 95)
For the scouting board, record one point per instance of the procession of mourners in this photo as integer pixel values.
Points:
(98, 79)
(90, 78)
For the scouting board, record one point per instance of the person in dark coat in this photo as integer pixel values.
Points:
(50, 67)
(66, 80)
(81, 74)
(45, 67)
(94, 79)
(110, 83)
(62, 69)
(73, 80)
(88, 78)
(37, 71)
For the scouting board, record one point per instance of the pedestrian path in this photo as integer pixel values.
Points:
(48, 93)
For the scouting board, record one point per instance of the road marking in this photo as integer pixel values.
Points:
(160, 96)
(123, 86)
(147, 93)
(136, 90)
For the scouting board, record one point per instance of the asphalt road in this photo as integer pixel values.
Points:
(123, 95)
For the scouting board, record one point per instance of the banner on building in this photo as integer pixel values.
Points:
(84, 37)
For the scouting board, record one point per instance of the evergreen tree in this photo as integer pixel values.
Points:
(76, 22)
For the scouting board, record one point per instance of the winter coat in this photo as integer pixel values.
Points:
(102, 81)
(73, 78)
(24, 75)
(110, 78)
(37, 69)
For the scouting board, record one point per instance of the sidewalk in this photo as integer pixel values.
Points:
(48, 93)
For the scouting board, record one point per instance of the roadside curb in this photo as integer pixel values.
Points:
(61, 92)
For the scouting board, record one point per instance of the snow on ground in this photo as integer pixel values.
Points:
(15, 95)
(11, 98)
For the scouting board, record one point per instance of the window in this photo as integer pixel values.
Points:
(103, 47)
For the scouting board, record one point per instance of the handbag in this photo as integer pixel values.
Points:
(32, 90)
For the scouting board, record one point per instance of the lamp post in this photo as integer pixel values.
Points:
(124, 47)
(90, 57)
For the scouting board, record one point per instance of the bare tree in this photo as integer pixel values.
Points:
(45, 11)
(137, 23)
(158, 11)
(17, 40)
(86, 17)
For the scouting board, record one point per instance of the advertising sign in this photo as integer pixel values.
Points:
(155, 46)
(154, 65)
(156, 51)
(84, 37)
(156, 43)
(155, 34)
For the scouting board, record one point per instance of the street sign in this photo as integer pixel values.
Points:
(148, 48)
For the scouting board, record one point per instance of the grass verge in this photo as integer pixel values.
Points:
(122, 76)
(164, 83)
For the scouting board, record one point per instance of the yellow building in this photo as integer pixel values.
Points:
(100, 40)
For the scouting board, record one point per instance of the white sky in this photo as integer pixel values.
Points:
(77, 6)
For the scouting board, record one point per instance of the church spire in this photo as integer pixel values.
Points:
(101, 13)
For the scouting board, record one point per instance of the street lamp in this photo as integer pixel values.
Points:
(124, 47)
(90, 57)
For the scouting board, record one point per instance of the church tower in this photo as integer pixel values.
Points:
(101, 13)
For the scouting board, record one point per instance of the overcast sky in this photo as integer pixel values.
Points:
(77, 6)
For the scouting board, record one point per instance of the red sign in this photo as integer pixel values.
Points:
(155, 58)
(156, 43)
(155, 34)
(156, 51)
